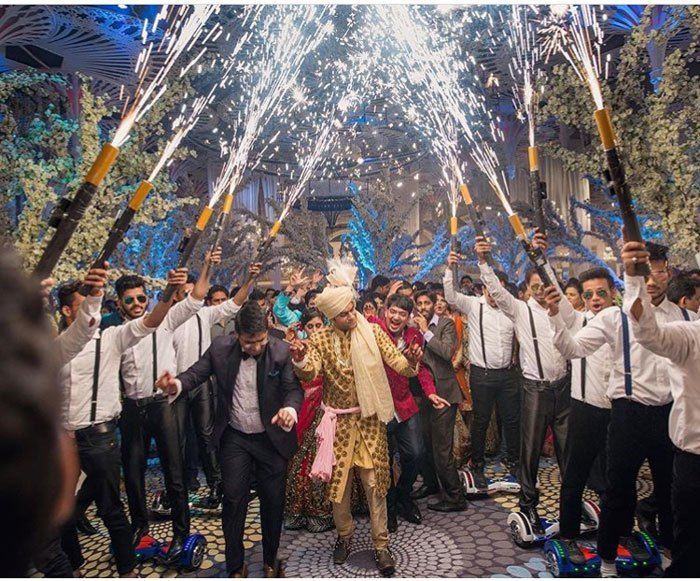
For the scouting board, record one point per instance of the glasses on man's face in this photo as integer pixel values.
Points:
(602, 293)
(140, 298)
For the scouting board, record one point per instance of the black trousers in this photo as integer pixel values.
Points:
(685, 499)
(99, 459)
(199, 405)
(426, 463)
(52, 560)
(442, 435)
(138, 425)
(587, 437)
(499, 387)
(407, 438)
(544, 404)
(636, 432)
(244, 456)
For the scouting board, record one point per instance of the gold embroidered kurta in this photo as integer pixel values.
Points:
(358, 440)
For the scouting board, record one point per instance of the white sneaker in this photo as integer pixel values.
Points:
(608, 570)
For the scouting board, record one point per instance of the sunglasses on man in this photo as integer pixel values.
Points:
(602, 293)
(130, 300)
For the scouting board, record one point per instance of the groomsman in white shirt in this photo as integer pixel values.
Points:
(679, 343)
(641, 401)
(147, 413)
(546, 389)
(590, 406)
(493, 378)
(90, 383)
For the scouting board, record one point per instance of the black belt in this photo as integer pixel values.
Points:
(545, 383)
(146, 401)
(487, 370)
(101, 428)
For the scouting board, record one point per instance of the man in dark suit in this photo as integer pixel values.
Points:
(257, 404)
(440, 336)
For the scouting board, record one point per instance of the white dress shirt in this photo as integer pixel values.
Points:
(76, 378)
(553, 364)
(650, 381)
(137, 362)
(679, 344)
(73, 340)
(245, 405)
(193, 338)
(498, 330)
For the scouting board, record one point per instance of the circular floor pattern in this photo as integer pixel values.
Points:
(474, 543)
(416, 550)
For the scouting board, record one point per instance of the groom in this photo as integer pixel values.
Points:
(257, 404)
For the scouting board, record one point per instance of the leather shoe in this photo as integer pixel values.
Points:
(423, 492)
(84, 526)
(385, 562)
(341, 551)
(175, 550)
(574, 551)
(275, 571)
(411, 512)
(241, 573)
(448, 506)
(139, 533)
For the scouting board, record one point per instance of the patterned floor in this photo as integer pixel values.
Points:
(475, 543)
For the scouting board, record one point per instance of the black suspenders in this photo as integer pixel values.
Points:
(95, 380)
(535, 343)
(155, 359)
(583, 368)
(627, 357)
(481, 330)
(199, 330)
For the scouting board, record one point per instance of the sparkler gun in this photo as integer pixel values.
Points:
(475, 218)
(538, 189)
(119, 228)
(221, 221)
(265, 245)
(618, 183)
(67, 214)
(186, 248)
(536, 256)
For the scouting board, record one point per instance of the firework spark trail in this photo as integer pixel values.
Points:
(323, 141)
(186, 25)
(189, 115)
(523, 65)
(282, 53)
(574, 32)
(424, 79)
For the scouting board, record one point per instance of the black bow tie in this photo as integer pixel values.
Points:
(245, 356)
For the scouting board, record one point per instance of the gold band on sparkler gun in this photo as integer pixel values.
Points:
(475, 218)
(187, 247)
(617, 183)
(67, 214)
(119, 228)
(221, 220)
(536, 256)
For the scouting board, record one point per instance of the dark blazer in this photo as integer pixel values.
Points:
(278, 386)
(438, 359)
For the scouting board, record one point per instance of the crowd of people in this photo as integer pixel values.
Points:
(329, 402)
